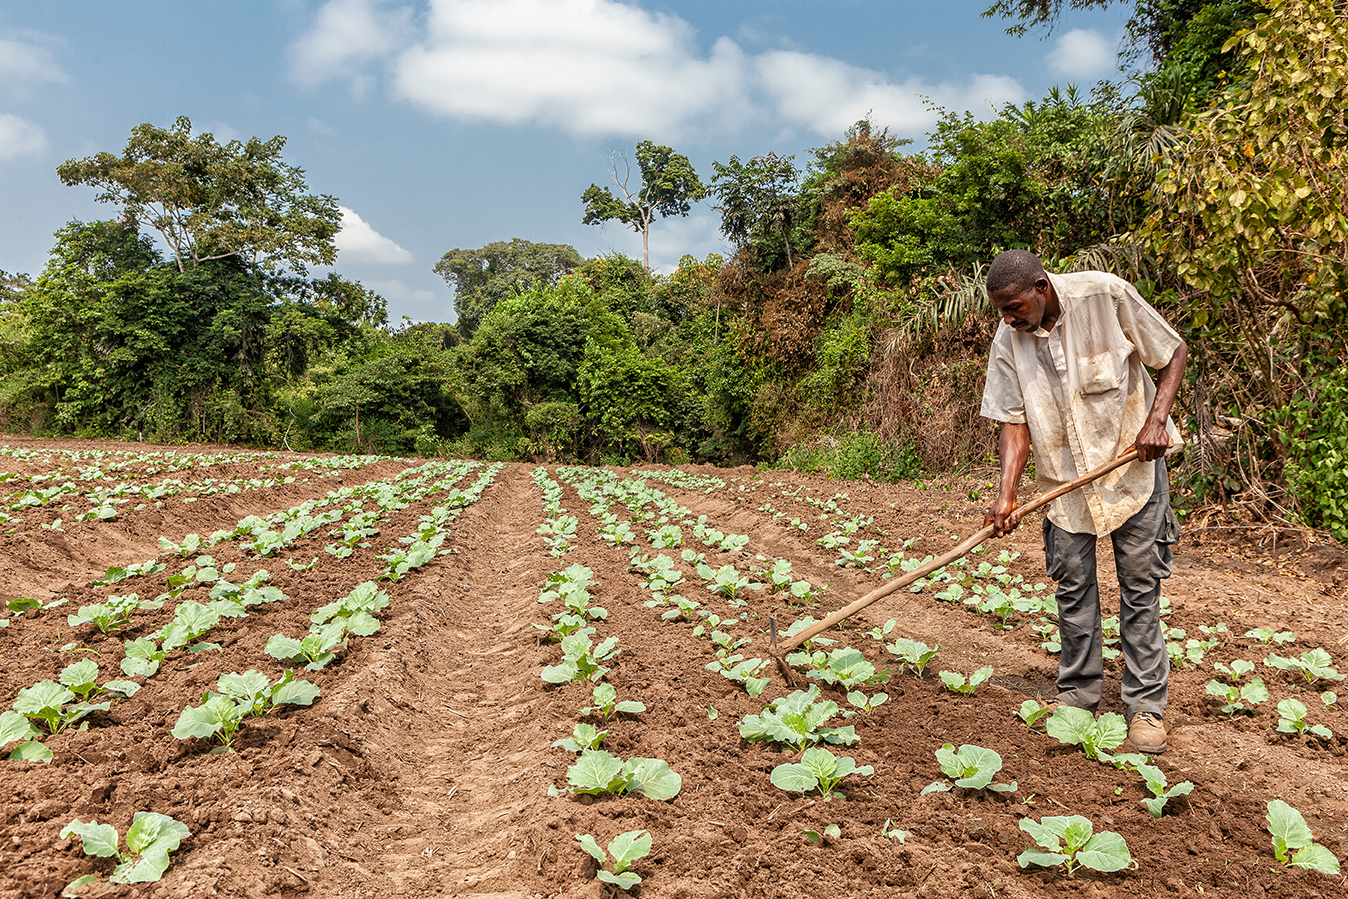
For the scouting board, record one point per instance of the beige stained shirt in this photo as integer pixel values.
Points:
(1083, 392)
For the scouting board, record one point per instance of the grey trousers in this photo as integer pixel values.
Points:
(1141, 559)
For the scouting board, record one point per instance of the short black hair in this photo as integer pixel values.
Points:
(1016, 270)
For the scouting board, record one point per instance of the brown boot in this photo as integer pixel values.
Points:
(1147, 733)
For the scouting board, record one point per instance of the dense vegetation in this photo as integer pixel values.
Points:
(847, 330)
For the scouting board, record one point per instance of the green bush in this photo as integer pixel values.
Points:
(1315, 430)
(855, 454)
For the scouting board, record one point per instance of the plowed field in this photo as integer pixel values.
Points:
(425, 765)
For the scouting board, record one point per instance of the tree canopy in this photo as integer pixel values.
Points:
(483, 277)
(669, 187)
(210, 200)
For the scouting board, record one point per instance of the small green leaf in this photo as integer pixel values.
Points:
(100, 840)
(588, 843)
(72, 889)
(628, 847)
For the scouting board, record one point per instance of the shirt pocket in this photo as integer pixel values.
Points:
(1097, 374)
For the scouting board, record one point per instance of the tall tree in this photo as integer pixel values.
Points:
(760, 206)
(210, 200)
(482, 278)
(669, 186)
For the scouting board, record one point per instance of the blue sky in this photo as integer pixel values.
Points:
(443, 124)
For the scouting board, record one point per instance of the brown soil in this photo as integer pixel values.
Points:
(424, 767)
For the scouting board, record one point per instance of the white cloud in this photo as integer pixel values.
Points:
(589, 66)
(20, 137)
(358, 242)
(1084, 54)
(347, 35)
(828, 96)
(25, 60)
(612, 68)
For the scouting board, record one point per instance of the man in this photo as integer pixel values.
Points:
(1065, 374)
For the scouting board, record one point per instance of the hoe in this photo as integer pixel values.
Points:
(779, 650)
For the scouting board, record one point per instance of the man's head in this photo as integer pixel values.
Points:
(1021, 292)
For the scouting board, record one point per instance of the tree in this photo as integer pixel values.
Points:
(669, 186)
(482, 278)
(210, 200)
(760, 206)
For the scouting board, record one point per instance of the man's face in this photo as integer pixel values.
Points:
(1023, 310)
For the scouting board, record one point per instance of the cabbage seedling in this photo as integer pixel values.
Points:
(625, 849)
(581, 659)
(1293, 842)
(1292, 720)
(1267, 635)
(1031, 712)
(970, 767)
(150, 839)
(220, 714)
(1236, 696)
(15, 728)
(798, 720)
(583, 736)
(318, 647)
(1078, 727)
(597, 771)
(911, 652)
(831, 832)
(866, 705)
(848, 668)
(955, 682)
(606, 704)
(817, 768)
(1068, 840)
(112, 615)
(1313, 665)
(1237, 669)
(1157, 783)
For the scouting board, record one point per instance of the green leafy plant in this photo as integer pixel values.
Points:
(970, 767)
(15, 728)
(581, 659)
(318, 647)
(955, 682)
(865, 704)
(817, 768)
(831, 832)
(356, 610)
(113, 615)
(1293, 842)
(190, 621)
(1236, 670)
(848, 668)
(1157, 784)
(913, 653)
(888, 831)
(606, 704)
(149, 839)
(241, 695)
(742, 671)
(1078, 727)
(1069, 841)
(597, 771)
(1032, 712)
(797, 720)
(1268, 635)
(1313, 665)
(59, 705)
(1238, 697)
(1292, 720)
(625, 849)
(583, 736)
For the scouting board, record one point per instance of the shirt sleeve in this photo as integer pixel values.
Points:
(1002, 397)
(1153, 337)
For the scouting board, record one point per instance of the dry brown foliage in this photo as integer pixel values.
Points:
(929, 395)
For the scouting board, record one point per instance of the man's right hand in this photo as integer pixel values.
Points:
(1000, 516)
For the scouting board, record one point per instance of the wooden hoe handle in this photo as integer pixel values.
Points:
(957, 553)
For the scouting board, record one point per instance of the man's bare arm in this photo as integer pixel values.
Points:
(1152, 441)
(1014, 448)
